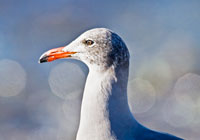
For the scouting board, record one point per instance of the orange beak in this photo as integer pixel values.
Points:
(54, 54)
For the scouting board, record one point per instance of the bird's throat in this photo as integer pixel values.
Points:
(105, 109)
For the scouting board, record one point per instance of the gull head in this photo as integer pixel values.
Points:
(99, 47)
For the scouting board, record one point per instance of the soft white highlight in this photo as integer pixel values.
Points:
(13, 78)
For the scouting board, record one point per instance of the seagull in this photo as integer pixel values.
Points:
(105, 113)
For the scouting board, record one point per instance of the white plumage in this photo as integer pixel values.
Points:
(105, 113)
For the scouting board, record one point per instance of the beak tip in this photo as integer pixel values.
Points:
(39, 61)
(54, 54)
(43, 59)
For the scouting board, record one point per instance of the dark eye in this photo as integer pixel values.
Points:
(89, 42)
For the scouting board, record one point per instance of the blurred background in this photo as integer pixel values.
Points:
(42, 101)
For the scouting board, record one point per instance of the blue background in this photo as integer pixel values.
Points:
(163, 40)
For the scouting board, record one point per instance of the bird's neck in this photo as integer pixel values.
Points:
(105, 112)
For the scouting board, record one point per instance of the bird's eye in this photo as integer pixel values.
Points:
(89, 42)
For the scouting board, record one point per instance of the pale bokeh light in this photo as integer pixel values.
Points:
(178, 114)
(158, 72)
(141, 95)
(195, 125)
(187, 89)
(183, 109)
(65, 80)
(188, 86)
(13, 78)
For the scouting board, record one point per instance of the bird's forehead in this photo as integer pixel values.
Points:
(96, 33)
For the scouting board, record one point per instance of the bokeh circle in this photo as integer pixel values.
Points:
(66, 80)
(13, 78)
(141, 95)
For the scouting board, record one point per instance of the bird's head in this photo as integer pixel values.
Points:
(96, 47)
